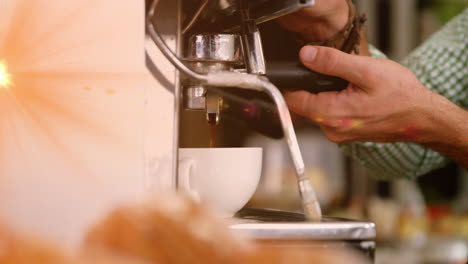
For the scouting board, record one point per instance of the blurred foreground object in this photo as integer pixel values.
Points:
(16, 249)
(19, 249)
(171, 230)
(165, 231)
(176, 230)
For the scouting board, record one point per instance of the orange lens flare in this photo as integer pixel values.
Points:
(352, 123)
(319, 119)
(5, 78)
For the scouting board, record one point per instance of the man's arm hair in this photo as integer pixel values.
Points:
(450, 131)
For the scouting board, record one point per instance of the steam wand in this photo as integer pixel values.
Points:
(228, 79)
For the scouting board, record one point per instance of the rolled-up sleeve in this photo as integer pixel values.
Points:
(441, 64)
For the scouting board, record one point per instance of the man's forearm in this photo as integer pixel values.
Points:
(449, 131)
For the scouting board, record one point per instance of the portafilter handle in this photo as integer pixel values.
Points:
(293, 76)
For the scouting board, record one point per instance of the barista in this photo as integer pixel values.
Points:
(413, 113)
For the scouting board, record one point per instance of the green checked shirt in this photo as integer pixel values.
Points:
(441, 64)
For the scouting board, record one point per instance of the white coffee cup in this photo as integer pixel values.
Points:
(223, 179)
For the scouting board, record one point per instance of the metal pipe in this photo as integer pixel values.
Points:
(251, 42)
(156, 36)
(252, 48)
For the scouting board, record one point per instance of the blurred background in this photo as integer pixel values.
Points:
(431, 214)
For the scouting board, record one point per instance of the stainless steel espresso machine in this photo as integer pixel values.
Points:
(219, 54)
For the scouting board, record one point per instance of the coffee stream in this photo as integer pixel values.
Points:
(212, 123)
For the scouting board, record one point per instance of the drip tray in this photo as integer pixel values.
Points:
(275, 224)
(276, 228)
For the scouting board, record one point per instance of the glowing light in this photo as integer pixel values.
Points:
(319, 119)
(352, 123)
(357, 123)
(5, 77)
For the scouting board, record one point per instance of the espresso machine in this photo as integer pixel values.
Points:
(217, 49)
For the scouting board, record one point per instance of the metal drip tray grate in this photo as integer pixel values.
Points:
(280, 225)
(269, 215)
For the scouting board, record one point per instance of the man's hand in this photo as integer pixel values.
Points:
(385, 102)
(319, 22)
